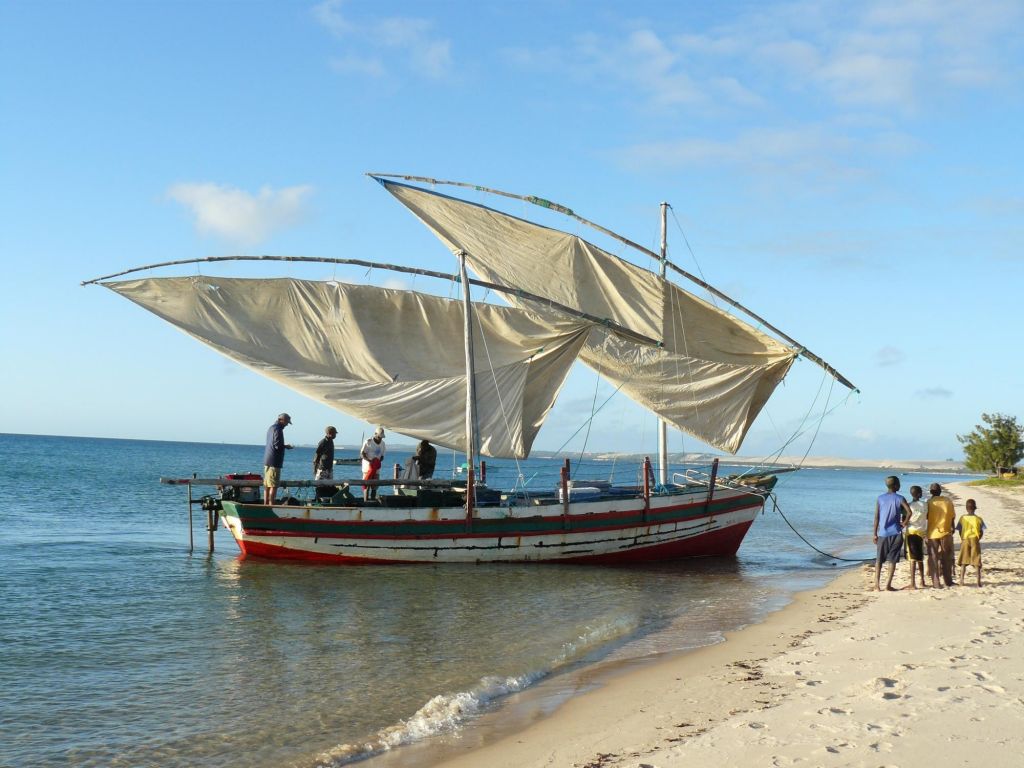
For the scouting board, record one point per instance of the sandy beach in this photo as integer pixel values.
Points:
(843, 676)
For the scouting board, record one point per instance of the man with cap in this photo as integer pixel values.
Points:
(273, 457)
(373, 459)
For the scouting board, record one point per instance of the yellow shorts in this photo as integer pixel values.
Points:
(970, 552)
(271, 477)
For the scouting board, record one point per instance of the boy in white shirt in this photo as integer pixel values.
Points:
(917, 527)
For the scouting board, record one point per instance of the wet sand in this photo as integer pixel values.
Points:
(843, 676)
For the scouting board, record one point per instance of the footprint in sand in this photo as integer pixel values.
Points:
(885, 686)
(834, 748)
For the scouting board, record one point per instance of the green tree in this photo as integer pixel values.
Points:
(998, 445)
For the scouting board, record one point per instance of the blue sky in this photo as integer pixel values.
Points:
(852, 171)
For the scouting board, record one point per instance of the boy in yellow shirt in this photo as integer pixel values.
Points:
(971, 528)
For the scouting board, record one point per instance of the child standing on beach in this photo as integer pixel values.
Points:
(917, 527)
(891, 510)
(971, 528)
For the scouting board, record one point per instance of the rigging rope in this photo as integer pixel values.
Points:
(586, 437)
(694, 255)
(497, 388)
(776, 454)
(592, 415)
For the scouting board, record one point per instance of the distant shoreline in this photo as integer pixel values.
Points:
(810, 462)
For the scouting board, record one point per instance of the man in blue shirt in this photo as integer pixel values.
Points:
(273, 457)
(891, 510)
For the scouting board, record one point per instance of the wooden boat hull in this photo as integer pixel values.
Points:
(606, 531)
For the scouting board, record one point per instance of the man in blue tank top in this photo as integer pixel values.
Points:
(891, 510)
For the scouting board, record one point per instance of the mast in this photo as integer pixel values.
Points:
(662, 426)
(471, 427)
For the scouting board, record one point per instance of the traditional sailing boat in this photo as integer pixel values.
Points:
(386, 356)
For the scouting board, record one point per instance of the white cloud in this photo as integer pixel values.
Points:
(866, 78)
(889, 356)
(372, 67)
(801, 149)
(237, 215)
(789, 55)
(328, 15)
(372, 42)
(818, 156)
(867, 435)
(879, 56)
(933, 393)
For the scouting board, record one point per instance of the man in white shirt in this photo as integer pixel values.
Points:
(373, 458)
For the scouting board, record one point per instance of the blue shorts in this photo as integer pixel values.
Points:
(890, 548)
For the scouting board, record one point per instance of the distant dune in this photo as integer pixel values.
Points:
(816, 462)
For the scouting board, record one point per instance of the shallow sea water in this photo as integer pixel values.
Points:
(123, 649)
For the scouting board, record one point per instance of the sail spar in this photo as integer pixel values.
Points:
(386, 356)
(711, 377)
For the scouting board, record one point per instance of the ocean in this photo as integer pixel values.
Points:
(121, 648)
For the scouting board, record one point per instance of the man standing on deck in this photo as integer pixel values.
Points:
(273, 457)
(323, 462)
(373, 458)
(425, 458)
(940, 536)
(891, 510)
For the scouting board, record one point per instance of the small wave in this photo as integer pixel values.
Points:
(447, 712)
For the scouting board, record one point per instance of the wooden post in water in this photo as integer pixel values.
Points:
(191, 546)
(209, 526)
(398, 470)
(483, 473)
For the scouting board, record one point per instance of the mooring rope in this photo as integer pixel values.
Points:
(775, 503)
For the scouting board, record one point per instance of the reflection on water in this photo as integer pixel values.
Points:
(123, 650)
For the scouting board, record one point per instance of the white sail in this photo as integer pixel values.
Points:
(713, 375)
(386, 356)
